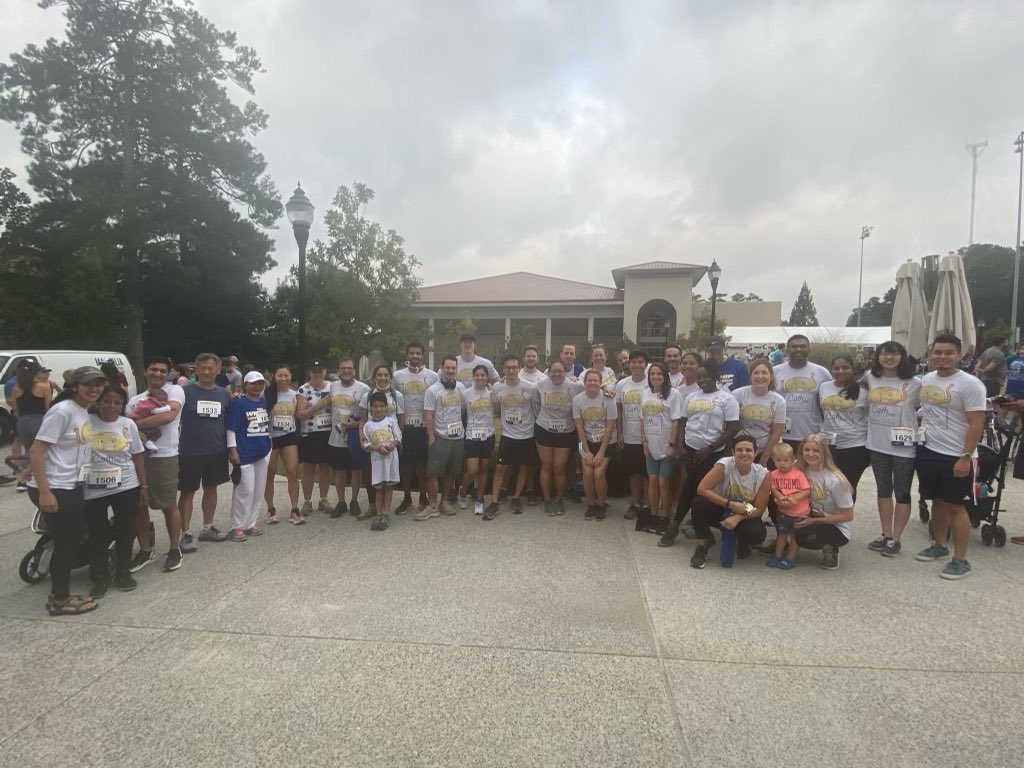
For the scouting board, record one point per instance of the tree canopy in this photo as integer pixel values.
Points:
(804, 314)
(875, 311)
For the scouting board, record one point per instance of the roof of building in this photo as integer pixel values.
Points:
(515, 288)
(657, 267)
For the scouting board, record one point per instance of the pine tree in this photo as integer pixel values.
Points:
(804, 314)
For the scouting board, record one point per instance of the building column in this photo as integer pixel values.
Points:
(547, 337)
(508, 328)
(590, 329)
(430, 353)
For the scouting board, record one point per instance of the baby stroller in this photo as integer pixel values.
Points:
(984, 509)
(35, 566)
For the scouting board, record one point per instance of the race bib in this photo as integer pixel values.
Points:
(922, 435)
(477, 433)
(283, 423)
(902, 436)
(208, 409)
(789, 425)
(414, 420)
(829, 437)
(454, 429)
(105, 477)
(83, 473)
(558, 425)
(514, 416)
(322, 420)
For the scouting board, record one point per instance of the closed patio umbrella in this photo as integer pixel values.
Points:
(952, 311)
(910, 311)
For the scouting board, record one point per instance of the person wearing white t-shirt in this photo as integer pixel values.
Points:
(673, 356)
(413, 381)
(514, 404)
(555, 434)
(599, 363)
(313, 410)
(162, 465)
(442, 412)
(530, 373)
(827, 527)
(59, 459)
(661, 409)
(469, 359)
(628, 396)
(844, 420)
(798, 381)
(762, 410)
(953, 405)
(595, 416)
(345, 453)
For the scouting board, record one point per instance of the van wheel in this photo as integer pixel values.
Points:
(6, 428)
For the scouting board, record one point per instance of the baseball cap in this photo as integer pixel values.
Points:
(252, 376)
(716, 341)
(85, 374)
(316, 364)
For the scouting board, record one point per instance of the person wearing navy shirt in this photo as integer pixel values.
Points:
(732, 373)
(1015, 374)
(248, 438)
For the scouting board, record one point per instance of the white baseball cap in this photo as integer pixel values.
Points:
(252, 376)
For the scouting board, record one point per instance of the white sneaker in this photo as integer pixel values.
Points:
(425, 514)
(478, 507)
(462, 502)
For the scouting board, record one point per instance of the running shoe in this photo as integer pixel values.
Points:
(425, 514)
(700, 556)
(830, 558)
(478, 507)
(892, 548)
(956, 569)
(324, 506)
(934, 552)
(254, 531)
(517, 506)
(463, 502)
(140, 561)
(448, 510)
(549, 508)
(212, 533)
(668, 538)
(491, 512)
(272, 518)
(559, 507)
(339, 510)
(237, 534)
(632, 512)
(878, 545)
(404, 506)
(600, 513)
(187, 542)
(125, 582)
(296, 517)
(173, 560)
(307, 508)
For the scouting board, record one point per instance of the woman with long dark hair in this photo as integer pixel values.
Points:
(844, 424)
(661, 408)
(284, 441)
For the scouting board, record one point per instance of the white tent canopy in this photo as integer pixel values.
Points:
(770, 335)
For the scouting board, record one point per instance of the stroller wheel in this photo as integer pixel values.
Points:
(986, 535)
(29, 568)
(999, 535)
(923, 511)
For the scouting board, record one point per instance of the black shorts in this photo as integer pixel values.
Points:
(277, 443)
(512, 452)
(414, 448)
(609, 449)
(313, 447)
(342, 459)
(935, 478)
(633, 460)
(554, 439)
(207, 471)
(478, 449)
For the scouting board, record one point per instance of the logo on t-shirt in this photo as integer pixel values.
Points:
(837, 403)
(888, 395)
(557, 398)
(480, 405)
(756, 412)
(700, 405)
(109, 442)
(799, 384)
(933, 395)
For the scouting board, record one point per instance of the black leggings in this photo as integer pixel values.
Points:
(694, 474)
(852, 462)
(707, 516)
(818, 536)
(65, 527)
(124, 504)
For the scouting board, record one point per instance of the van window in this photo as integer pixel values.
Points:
(12, 364)
(3, 365)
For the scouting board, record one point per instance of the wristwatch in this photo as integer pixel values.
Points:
(966, 455)
(748, 508)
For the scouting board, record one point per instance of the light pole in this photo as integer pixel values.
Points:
(300, 214)
(865, 233)
(714, 274)
(1018, 147)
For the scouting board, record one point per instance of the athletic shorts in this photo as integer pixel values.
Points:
(414, 448)
(479, 449)
(609, 450)
(550, 439)
(342, 459)
(313, 447)
(517, 452)
(277, 443)
(162, 477)
(207, 471)
(445, 456)
(935, 479)
(633, 459)
(661, 467)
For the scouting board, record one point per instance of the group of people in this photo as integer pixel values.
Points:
(705, 441)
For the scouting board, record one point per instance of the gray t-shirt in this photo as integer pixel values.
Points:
(413, 385)
(844, 418)
(112, 469)
(892, 403)
(739, 487)
(446, 405)
(998, 372)
(595, 413)
(759, 412)
(516, 405)
(657, 418)
(830, 493)
(800, 388)
(479, 413)
(553, 404)
(629, 395)
(235, 378)
(706, 414)
(203, 421)
(945, 403)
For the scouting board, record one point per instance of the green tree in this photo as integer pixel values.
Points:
(745, 297)
(141, 159)
(989, 272)
(361, 285)
(701, 331)
(804, 314)
(875, 311)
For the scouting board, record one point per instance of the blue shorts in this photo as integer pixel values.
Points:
(661, 467)
(784, 523)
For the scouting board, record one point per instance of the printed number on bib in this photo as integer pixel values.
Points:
(477, 433)
(514, 416)
(322, 420)
(829, 437)
(558, 425)
(455, 429)
(105, 477)
(902, 435)
(413, 420)
(208, 409)
(283, 423)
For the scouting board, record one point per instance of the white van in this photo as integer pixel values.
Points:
(58, 360)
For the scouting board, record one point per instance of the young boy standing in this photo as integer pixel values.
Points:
(791, 491)
(382, 439)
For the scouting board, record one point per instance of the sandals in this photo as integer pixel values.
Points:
(70, 606)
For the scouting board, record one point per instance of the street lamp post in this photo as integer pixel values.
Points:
(865, 233)
(714, 274)
(981, 330)
(300, 214)
(1018, 147)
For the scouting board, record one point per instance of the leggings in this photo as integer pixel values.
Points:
(124, 504)
(821, 535)
(65, 527)
(694, 474)
(707, 516)
(852, 462)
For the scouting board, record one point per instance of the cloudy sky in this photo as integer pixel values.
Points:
(568, 138)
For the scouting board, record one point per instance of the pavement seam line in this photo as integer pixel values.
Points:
(666, 681)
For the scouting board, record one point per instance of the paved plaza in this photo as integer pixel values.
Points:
(526, 641)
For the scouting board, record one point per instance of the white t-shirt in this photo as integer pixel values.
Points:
(848, 419)
(892, 402)
(466, 369)
(536, 376)
(111, 469)
(396, 403)
(321, 420)
(479, 413)
(595, 413)
(345, 399)
(657, 417)
(628, 395)
(516, 403)
(553, 405)
(687, 389)
(446, 405)
(413, 385)
(831, 493)
(945, 403)
(676, 379)
(282, 415)
(167, 443)
(608, 377)
(738, 487)
(759, 412)
(706, 415)
(800, 388)
(67, 429)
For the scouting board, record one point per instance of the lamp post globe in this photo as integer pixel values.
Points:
(714, 275)
(300, 213)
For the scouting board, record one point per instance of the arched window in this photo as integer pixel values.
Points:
(656, 327)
